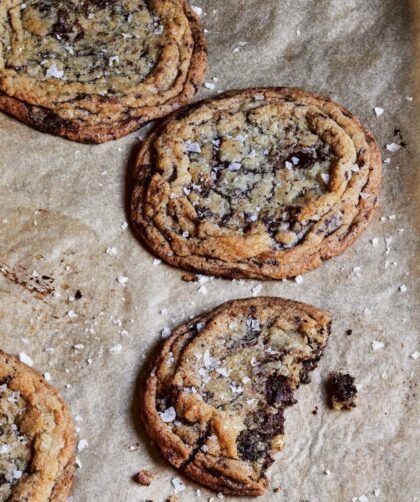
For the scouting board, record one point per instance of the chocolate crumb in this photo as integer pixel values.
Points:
(342, 390)
(144, 478)
(349, 332)
(315, 410)
(78, 295)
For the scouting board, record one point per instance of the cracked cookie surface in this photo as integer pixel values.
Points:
(215, 398)
(37, 437)
(95, 70)
(261, 183)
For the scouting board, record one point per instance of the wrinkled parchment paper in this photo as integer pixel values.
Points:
(62, 214)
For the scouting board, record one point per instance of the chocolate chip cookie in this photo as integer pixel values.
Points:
(37, 437)
(215, 398)
(263, 183)
(96, 70)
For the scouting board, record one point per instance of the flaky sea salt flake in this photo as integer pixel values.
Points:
(234, 166)
(256, 290)
(169, 415)
(223, 371)
(54, 72)
(193, 147)
(24, 358)
(82, 445)
(377, 345)
(178, 484)
(116, 349)
(197, 10)
(393, 147)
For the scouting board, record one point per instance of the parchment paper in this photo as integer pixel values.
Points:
(63, 205)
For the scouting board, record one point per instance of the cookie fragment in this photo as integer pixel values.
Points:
(93, 71)
(225, 379)
(144, 477)
(37, 436)
(263, 183)
(343, 391)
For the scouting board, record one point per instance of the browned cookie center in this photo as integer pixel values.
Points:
(260, 165)
(98, 41)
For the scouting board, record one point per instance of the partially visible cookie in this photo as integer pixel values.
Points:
(215, 398)
(263, 183)
(93, 71)
(343, 391)
(37, 437)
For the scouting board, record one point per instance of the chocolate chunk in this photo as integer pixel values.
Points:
(278, 390)
(251, 445)
(274, 424)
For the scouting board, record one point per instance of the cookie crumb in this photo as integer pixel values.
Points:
(144, 477)
(343, 392)
(172, 498)
(189, 278)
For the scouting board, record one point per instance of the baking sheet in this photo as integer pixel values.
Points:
(62, 207)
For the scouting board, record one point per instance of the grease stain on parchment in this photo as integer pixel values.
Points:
(59, 293)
